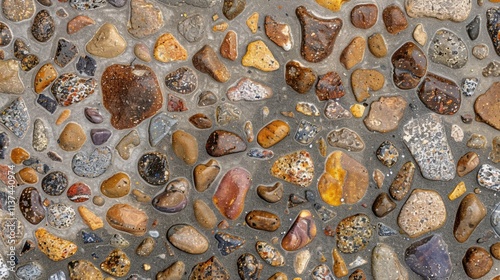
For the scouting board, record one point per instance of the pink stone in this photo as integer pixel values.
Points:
(230, 195)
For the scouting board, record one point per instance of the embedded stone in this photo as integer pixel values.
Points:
(385, 114)
(127, 143)
(378, 177)
(145, 19)
(192, 28)
(43, 78)
(55, 183)
(40, 138)
(248, 267)
(410, 65)
(78, 23)
(492, 18)
(206, 61)
(54, 247)
(153, 168)
(116, 186)
(448, 49)
(318, 35)
(200, 121)
(364, 16)
(187, 239)
(176, 104)
(401, 184)
(424, 211)
(440, 94)
(168, 49)
(211, 268)
(79, 192)
(353, 53)
(229, 198)
(30, 204)
(84, 5)
(272, 193)
(228, 243)
(386, 264)
(477, 141)
(135, 88)
(127, 218)
(92, 165)
(333, 6)
(65, 52)
(469, 86)
(93, 115)
(429, 257)
(204, 215)
(346, 139)
(365, 80)
(83, 269)
(339, 266)
(487, 105)
(86, 65)
(377, 45)
(117, 263)
(296, 168)
(226, 113)
(60, 216)
(306, 132)
(387, 154)
(99, 136)
(253, 22)
(160, 126)
(357, 274)
(70, 89)
(229, 46)
(269, 254)
(492, 69)
(335, 111)
(142, 52)
(480, 51)
(321, 272)
(329, 85)
(10, 81)
(307, 108)
(495, 150)
(419, 34)
(394, 19)
(263, 220)
(43, 27)
(272, 133)
(222, 142)
(174, 272)
(185, 146)
(442, 9)
(477, 262)
(17, 155)
(301, 232)
(18, 10)
(259, 56)
(232, 8)
(15, 117)
(473, 28)
(107, 42)
(183, 80)
(249, 90)
(174, 198)
(279, 33)
(204, 174)
(353, 233)
(72, 137)
(31, 270)
(488, 176)
(27, 175)
(383, 205)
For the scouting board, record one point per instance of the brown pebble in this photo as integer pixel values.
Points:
(378, 177)
(353, 53)
(107, 42)
(140, 196)
(377, 45)
(357, 274)
(365, 80)
(200, 121)
(401, 185)
(44, 77)
(204, 174)
(487, 104)
(279, 33)
(63, 116)
(146, 247)
(299, 77)
(301, 233)
(495, 250)
(339, 267)
(364, 16)
(206, 61)
(477, 262)
(142, 52)
(174, 272)
(127, 218)
(272, 133)
(263, 220)
(383, 205)
(467, 163)
(329, 86)
(204, 214)
(229, 198)
(469, 214)
(72, 137)
(98, 200)
(116, 186)
(185, 146)
(187, 239)
(222, 142)
(78, 23)
(229, 46)
(394, 19)
(272, 193)
(18, 155)
(27, 175)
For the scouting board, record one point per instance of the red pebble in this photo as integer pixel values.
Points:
(79, 192)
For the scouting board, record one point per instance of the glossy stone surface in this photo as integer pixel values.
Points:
(492, 18)
(117, 263)
(229, 198)
(153, 168)
(387, 154)
(383, 205)
(279, 33)
(69, 89)
(394, 19)
(477, 262)
(43, 27)
(30, 204)
(206, 61)
(401, 184)
(229, 46)
(410, 65)
(55, 183)
(329, 86)
(168, 49)
(296, 168)
(269, 254)
(364, 16)
(248, 266)
(429, 257)
(107, 42)
(263, 220)
(209, 269)
(249, 90)
(187, 238)
(127, 218)
(183, 80)
(204, 174)
(222, 142)
(174, 198)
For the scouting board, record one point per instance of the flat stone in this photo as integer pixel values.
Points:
(54, 247)
(335, 111)
(229, 198)
(385, 114)
(383, 205)
(279, 33)
(329, 85)
(31, 270)
(365, 80)
(127, 218)
(92, 165)
(249, 90)
(86, 65)
(60, 216)
(10, 82)
(259, 56)
(206, 61)
(127, 143)
(488, 176)
(448, 49)
(477, 262)
(228, 243)
(43, 78)
(424, 211)
(354, 233)
(377, 45)
(72, 137)
(222, 142)
(153, 168)
(204, 174)
(201, 121)
(187, 239)
(81, 269)
(394, 19)
(116, 186)
(229, 46)
(192, 28)
(487, 105)
(183, 80)
(107, 42)
(15, 117)
(364, 16)
(78, 23)
(346, 139)
(262, 220)
(65, 52)
(99, 136)
(469, 214)
(227, 113)
(84, 5)
(296, 168)
(431, 152)
(480, 51)
(142, 52)
(174, 272)
(442, 9)
(401, 184)
(318, 35)
(204, 215)
(429, 257)
(232, 8)
(386, 264)
(269, 254)
(145, 19)
(492, 18)
(69, 89)
(410, 65)
(209, 269)
(18, 10)
(321, 272)
(142, 90)
(117, 263)
(248, 266)
(43, 27)
(353, 53)
(55, 183)
(40, 138)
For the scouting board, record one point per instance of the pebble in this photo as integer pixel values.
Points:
(192, 28)
(248, 266)
(60, 216)
(54, 247)
(116, 186)
(204, 174)
(106, 42)
(200, 121)
(127, 143)
(410, 65)
(329, 86)
(385, 230)
(160, 126)
(10, 81)
(17, 154)
(354, 233)
(43, 27)
(317, 47)
(207, 61)
(227, 113)
(146, 247)
(92, 165)
(222, 142)
(259, 56)
(229, 198)
(495, 250)
(253, 22)
(434, 158)
(187, 239)
(70, 89)
(492, 17)
(174, 272)
(386, 264)
(232, 8)
(279, 33)
(145, 19)
(127, 218)
(84, 5)
(44, 77)
(183, 80)
(204, 215)
(176, 104)
(79, 192)
(15, 117)
(378, 177)
(321, 272)
(429, 257)
(117, 263)
(174, 198)
(401, 184)
(142, 90)
(93, 115)
(31, 205)
(345, 138)
(273, 133)
(383, 205)
(249, 90)
(185, 146)
(469, 86)
(387, 154)
(385, 114)
(99, 136)
(455, 11)
(423, 211)
(307, 108)
(296, 168)
(365, 80)
(335, 111)
(90, 218)
(353, 53)
(228, 243)
(30, 271)
(485, 104)
(18, 10)
(65, 52)
(86, 65)
(448, 49)
(394, 19)
(364, 16)
(420, 35)
(302, 78)
(271, 194)
(339, 267)
(269, 254)
(229, 46)
(59, 275)
(72, 137)
(306, 132)
(480, 51)
(78, 23)
(377, 45)
(488, 176)
(477, 141)
(495, 150)
(142, 52)
(263, 220)
(473, 28)
(117, 3)
(492, 69)
(153, 168)
(83, 269)
(477, 262)
(211, 268)
(119, 241)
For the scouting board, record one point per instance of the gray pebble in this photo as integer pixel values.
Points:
(93, 165)
(40, 139)
(448, 49)
(15, 117)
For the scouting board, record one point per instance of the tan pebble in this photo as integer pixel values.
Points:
(495, 250)
(378, 177)
(322, 146)
(467, 163)
(357, 110)
(84, 270)
(365, 80)
(27, 175)
(353, 53)
(204, 214)
(174, 272)
(10, 81)
(107, 42)
(248, 128)
(72, 137)
(279, 276)
(127, 218)
(63, 116)
(185, 146)
(470, 213)
(117, 263)
(204, 174)
(44, 77)
(272, 133)
(128, 142)
(18, 155)
(140, 196)
(168, 49)
(146, 247)
(259, 56)
(141, 51)
(253, 22)
(98, 200)
(116, 186)
(339, 267)
(377, 45)
(146, 267)
(187, 239)
(54, 247)
(458, 191)
(301, 260)
(419, 34)
(221, 27)
(90, 219)
(77, 23)
(333, 5)
(215, 17)
(296, 168)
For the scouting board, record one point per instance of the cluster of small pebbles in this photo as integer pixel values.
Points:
(218, 139)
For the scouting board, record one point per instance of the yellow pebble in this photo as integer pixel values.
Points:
(253, 22)
(168, 49)
(18, 155)
(332, 5)
(215, 17)
(146, 267)
(220, 27)
(90, 219)
(259, 56)
(63, 116)
(357, 110)
(458, 191)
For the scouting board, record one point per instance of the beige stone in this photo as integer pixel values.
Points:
(168, 49)
(90, 218)
(10, 82)
(107, 42)
(259, 56)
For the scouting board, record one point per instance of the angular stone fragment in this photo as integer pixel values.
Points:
(410, 65)
(78, 23)
(209, 269)
(174, 272)
(17, 10)
(425, 137)
(299, 77)
(228, 243)
(279, 33)
(477, 141)
(385, 114)
(229, 198)
(65, 52)
(346, 139)
(365, 80)
(232, 8)
(206, 61)
(259, 56)
(335, 111)
(394, 19)
(117, 263)
(364, 16)
(43, 27)
(448, 49)
(429, 258)
(168, 49)
(354, 233)
(487, 106)
(10, 81)
(15, 117)
(249, 90)
(402, 183)
(321, 272)
(477, 262)
(133, 87)
(192, 28)
(43, 78)
(318, 35)
(329, 85)
(69, 89)
(92, 165)
(386, 264)
(55, 248)
(440, 94)
(296, 168)
(442, 9)
(107, 42)
(269, 254)
(424, 211)
(229, 46)
(127, 218)
(145, 19)
(353, 53)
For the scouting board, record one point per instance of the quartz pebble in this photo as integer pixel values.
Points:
(296, 168)
(346, 139)
(477, 141)
(429, 257)
(229, 198)
(448, 49)
(353, 233)
(477, 262)
(480, 51)
(107, 42)
(442, 9)
(420, 35)
(365, 80)
(188, 239)
(229, 46)
(335, 111)
(228, 243)
(117, 263)
(457, 133)
(127, 218)
(269, 254)
(55, 248)
(386, 264)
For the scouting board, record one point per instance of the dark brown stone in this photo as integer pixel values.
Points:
(299, 77)
(358, 274)
(410, 65)
(394, 19)
(200, 121)
(469, 214)
(31, 205)
(487, 106)
(221, 143)
(383, 205)
(206, 61)
(402, 183)
(364, 16)
(440, 95)
(229, 46)
(279, 33)
(5, 35)
(43, 27)
(131, 94)
(232, 8)
(329, 86)
(318, 35)
(477, 262)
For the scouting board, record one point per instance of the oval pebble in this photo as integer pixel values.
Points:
(60, 216)
(153, 168)
(79, 192)
(55, 183)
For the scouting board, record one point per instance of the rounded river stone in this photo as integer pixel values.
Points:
(153, 168)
